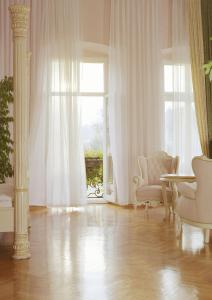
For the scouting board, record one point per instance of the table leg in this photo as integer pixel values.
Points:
(164, 195)
(174, 195)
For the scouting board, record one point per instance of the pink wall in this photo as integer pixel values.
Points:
(95, 21)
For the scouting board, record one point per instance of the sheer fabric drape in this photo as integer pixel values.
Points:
(57, 170)
(135, 108)
(180, 120)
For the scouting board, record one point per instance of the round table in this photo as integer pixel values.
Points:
(172, 180)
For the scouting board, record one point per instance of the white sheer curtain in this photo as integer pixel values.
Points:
(135, 99)
(181, 134)
(57, 167)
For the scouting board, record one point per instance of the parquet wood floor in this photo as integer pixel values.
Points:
(104, 252)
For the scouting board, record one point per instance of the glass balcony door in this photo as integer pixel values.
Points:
(92, 96)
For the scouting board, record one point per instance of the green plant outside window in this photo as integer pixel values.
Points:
(6, 143)
(208, 67)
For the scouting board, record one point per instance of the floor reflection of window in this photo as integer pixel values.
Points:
(94, 266)
(172, 285)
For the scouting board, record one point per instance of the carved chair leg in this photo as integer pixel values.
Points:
(147, 207)
(206, 236)
(174, 196)
(165, 201)
(135, 205)
(178, 226)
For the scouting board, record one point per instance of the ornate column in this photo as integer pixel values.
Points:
(19, 19)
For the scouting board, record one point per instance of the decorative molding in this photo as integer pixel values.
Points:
(21, 190)
(19, 17)
(95, 48)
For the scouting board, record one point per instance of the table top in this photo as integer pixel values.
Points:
(177, 177)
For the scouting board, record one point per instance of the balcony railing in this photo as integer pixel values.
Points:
(94, 175)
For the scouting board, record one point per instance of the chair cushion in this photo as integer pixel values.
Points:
(187, 208)
(187, 189)
(151, 192)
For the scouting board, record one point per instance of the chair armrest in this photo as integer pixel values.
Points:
(138, 181)
(187, 189)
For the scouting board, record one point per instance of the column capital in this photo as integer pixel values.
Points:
(19, 18)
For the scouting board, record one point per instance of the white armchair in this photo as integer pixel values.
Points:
(148, 187)
(194, 205)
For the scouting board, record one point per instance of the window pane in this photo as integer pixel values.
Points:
(174, 78)
(58, 77)
(181, 134)
(168, 80)
(92, 122)
(174, 119)
(92, 131)
(92, 77)
(179, 78)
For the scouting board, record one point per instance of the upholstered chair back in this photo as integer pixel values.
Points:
(151, 168)
(202, 168)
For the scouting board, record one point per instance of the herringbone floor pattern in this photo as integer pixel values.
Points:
(104, 252)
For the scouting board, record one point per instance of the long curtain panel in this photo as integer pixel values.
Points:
(181, 134)
(57, 170)
(197, 60)
(135, 102)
